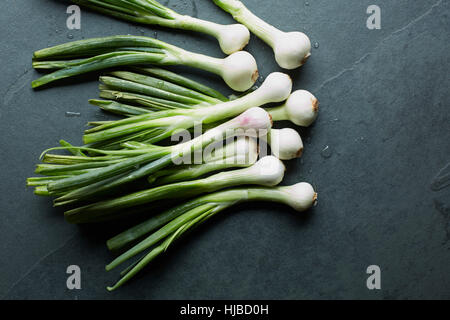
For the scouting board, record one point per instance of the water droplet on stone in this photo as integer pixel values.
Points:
(307, 3)
(71, 114)
(70, 36)
(155, 35)
(316, 45)
(326, 152)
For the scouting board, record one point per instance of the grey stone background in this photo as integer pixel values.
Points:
(384, 117)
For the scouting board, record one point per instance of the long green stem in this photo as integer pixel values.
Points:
(181, 81)
(147, 87)
(165, 86)
(99, 63)
(169, 228)
(133, 270)
(149, 225)
(76, 49)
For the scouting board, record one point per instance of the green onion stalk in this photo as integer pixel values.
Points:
(239, 70)
(154, 93)
(268, 171)
(231, 38)
(291, 49)
(121, 167)
(172, 224)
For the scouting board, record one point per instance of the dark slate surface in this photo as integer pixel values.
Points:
(384, 116)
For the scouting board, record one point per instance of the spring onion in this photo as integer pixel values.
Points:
(268, 171)
(171, 224)
(239, 70)
(231, 38)
(291, 49)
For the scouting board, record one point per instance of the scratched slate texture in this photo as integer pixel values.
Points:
(383, 179)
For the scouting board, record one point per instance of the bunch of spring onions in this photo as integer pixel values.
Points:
(238, 70)
(285, 143)
(123, 165)
(231, 38)
(146, 90)
(93, 184)
(291, 49)
(117, 168)
(172, 224)
(153, 126)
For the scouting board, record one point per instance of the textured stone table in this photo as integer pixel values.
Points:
(380, 143)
